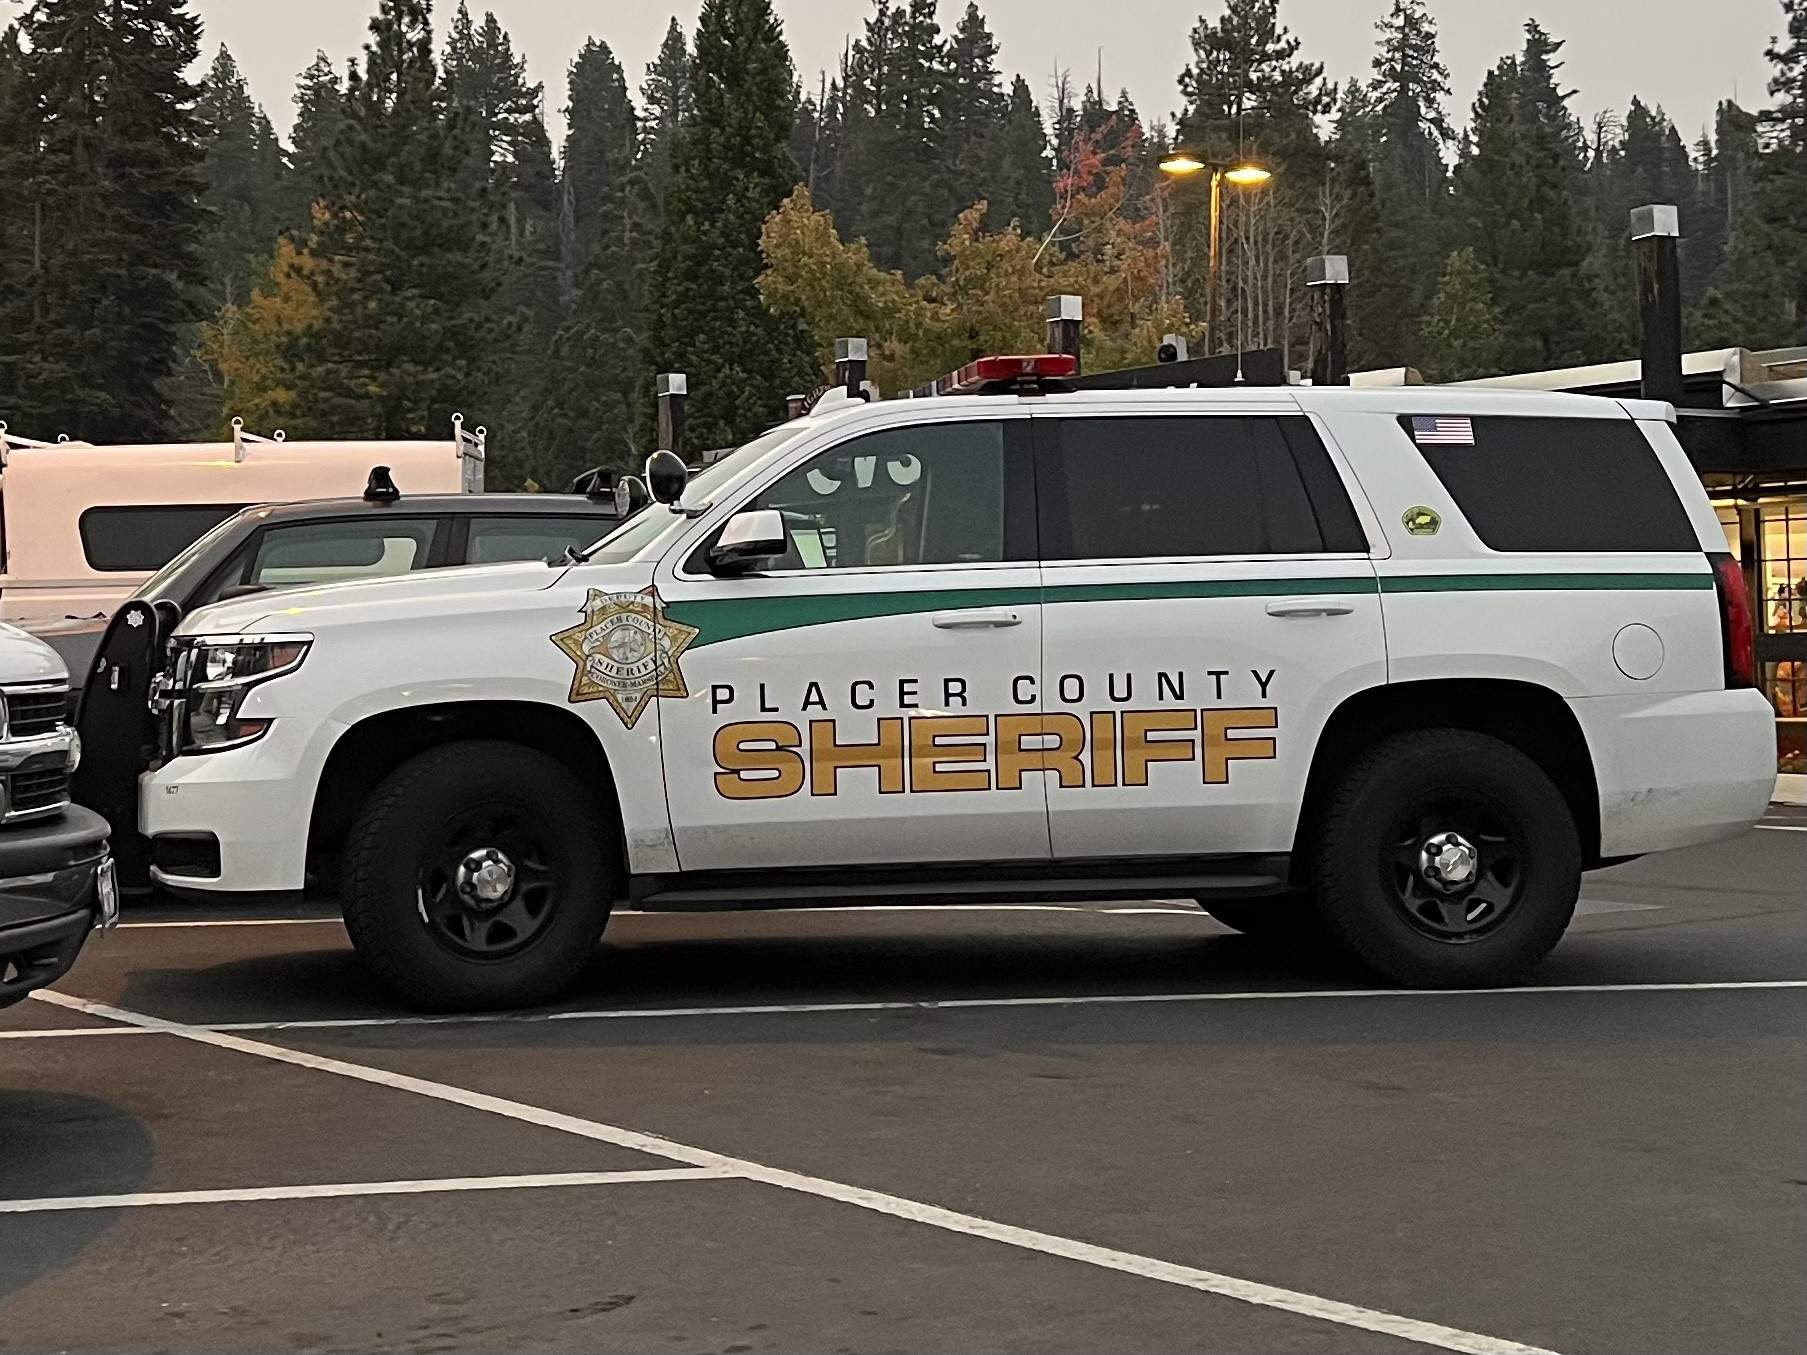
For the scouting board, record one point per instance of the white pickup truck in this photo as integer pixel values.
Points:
(1398, 664)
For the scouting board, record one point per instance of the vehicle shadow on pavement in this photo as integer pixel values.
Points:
(726, 969)
(53, 1143)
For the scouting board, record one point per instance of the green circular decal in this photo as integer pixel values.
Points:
(1422, 521)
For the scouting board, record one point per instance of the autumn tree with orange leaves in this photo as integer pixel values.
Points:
(989, 291)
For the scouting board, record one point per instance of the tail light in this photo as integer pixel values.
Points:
(1737, 627)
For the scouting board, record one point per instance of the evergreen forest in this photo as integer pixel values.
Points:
(419, 245)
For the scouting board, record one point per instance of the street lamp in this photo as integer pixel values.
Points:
(1179, 163)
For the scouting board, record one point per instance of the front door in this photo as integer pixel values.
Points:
(870, 698)
(1208, 601)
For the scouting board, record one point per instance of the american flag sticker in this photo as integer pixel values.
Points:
(1442, 430)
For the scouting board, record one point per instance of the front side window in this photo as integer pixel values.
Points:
(329, 552)
(1133, 488)
(933, 494)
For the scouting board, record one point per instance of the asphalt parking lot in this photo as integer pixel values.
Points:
(1103, 1128)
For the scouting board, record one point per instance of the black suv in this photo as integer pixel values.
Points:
(276, 546)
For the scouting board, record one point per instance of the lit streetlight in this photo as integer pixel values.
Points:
(1181, 164)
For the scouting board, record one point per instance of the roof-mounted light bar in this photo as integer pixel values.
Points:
(1022, 374)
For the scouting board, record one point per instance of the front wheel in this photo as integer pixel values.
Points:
(1447, 859)
(477, 876)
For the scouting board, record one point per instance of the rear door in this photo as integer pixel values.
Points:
(1208, 601)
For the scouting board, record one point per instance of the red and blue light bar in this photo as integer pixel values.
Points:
(1019, 374)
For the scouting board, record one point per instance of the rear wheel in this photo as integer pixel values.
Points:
(1447, 859)
(477, 876)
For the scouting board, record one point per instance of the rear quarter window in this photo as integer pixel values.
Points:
(1554, 485)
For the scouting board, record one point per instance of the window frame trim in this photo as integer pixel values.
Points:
(1016, 427)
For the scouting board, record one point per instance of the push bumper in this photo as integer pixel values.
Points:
(1677, 771)
(56, 886)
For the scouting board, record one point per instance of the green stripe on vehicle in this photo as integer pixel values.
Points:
(719, 619)
(1536, 583)
(1204, 588)
(735, 618)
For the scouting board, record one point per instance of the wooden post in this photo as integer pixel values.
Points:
(671, 388)
(1328, 275)
(1066, 318)
(1655, 231)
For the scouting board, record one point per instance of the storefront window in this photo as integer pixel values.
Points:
(1785, 567)
(1783, 578)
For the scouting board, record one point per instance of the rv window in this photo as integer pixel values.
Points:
(132, 537)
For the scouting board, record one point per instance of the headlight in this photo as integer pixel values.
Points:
(213, 676)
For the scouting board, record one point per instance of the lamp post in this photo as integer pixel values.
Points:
(1182, 164)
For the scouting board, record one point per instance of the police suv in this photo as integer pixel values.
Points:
(1396, 665)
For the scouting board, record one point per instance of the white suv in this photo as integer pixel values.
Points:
(1397, 664)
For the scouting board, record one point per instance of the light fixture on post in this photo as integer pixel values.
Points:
(1181, 163)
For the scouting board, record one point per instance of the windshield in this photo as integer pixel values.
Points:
(653, 521)
(155, 586)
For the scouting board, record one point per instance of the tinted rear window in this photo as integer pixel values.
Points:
(1539, 484)
(138, 538)
(1143, 487)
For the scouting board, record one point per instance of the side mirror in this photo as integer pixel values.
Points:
(666, 476)
(630, 496)
(757, 534)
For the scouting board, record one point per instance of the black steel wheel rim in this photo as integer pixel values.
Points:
(1467, 912)
(488, 931)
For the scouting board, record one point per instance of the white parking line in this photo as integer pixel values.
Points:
(1784, 827)
(239, 922)
(1049, 1244)
(343, 1190)
(923, 1005)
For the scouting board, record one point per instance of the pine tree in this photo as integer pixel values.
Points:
(1247, 92)
(731, 167)
(245, 172)
(1019, 179)
(104, 225)
(896, 190)
(602, 150)
(1515, 190)
(1727, 160)
(510, 155)
(1408, 132)
(1780, 190)
(972, 109)
(319, 114)
(406, 261)
(1463, 333)
(577, 410)
(666, 100)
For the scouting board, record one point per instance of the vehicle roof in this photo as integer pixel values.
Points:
(1379, 400)
(560, 505)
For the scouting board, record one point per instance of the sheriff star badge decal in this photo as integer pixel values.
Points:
(626, 652)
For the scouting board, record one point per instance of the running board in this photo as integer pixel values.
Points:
(1238, 877)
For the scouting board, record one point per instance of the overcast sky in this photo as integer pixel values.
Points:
(1683, 54)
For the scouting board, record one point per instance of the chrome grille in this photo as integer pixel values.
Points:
(35, 712)
(35, 790)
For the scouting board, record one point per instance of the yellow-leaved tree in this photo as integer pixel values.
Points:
(991, 289)
(247, 345)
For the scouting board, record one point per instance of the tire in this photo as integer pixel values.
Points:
(1415, 921)
(537, 881)
(1282, 918)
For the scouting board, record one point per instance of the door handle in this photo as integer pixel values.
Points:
(977, 618)
(1310, 607)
